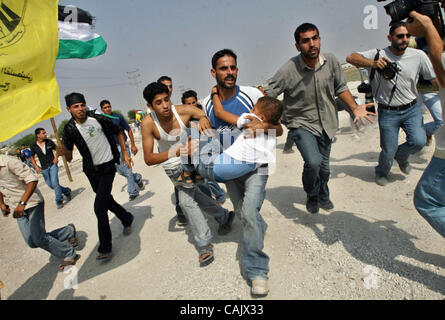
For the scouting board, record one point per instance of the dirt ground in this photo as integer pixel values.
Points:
(372, 245)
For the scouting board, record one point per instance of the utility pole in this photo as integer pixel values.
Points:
(135, 77)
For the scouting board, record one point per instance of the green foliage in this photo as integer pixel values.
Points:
(26, 140)
(132, 115)
(61, 126)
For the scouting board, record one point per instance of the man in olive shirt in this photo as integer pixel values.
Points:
(310, 82)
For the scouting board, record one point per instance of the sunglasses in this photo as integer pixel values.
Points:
(402, 35)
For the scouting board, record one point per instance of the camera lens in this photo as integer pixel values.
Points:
(388, 73)
(398, 10)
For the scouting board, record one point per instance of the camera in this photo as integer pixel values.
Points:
(390, 71)
(366, 88)
(399, 10)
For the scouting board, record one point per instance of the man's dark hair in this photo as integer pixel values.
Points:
(305, 27)
(395, 26)
(152, 90)
(272, 108)
(164, 78)
(73, 98)
(104, 102)
(222, 53)
(37, 131)
(189, 94)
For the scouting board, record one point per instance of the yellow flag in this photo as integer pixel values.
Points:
(29, 43)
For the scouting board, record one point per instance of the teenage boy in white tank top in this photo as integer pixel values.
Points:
(165, 124)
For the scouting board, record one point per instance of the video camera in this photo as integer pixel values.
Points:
(399, 10)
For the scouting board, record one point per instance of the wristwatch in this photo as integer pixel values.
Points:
(22, 203)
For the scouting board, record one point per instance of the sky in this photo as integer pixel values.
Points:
(178, 38)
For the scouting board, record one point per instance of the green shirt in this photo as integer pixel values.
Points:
(309, 94)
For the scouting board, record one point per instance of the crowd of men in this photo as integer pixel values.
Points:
(311, 82)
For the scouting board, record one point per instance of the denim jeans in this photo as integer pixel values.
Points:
(429, 196)
(216, 191)
(432, 103)
(102, 183)
(32, 227)
(247, 194)
(51, 176)
(193, 202)
(315, 151)
(390, 122)
(132, 178)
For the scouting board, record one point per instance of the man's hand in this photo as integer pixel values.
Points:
(55, 161)
(189, 148)
(134, 149)
(380, 64)
(418, 24)
(254, 125)
(126, 160)
(19, 211)
(361, 114)
(205, 127)
(5, 209)
(38, 170)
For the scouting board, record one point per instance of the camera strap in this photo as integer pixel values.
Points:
(377, 56)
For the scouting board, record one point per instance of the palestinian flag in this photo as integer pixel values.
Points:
(76, 36)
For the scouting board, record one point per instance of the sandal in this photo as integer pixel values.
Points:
(70, 262)
(206, 255)
(104, 256)
(185, 180)
(198, 178)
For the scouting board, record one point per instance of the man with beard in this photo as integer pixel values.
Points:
(247, 193)
(396, 98)
(310, 82)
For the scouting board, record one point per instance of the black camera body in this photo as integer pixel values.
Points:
(390, 71)
(399, 10)
(367, 90)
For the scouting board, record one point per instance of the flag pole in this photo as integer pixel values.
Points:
(59, 144)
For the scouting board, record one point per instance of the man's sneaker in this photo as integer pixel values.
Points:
(181, 221)
(226, 227)
(326, 205)
(260, 288)
(68, 196)
(133, 196)
(141, 185)
(404, 167)
(312, 205)
(59, 204)
(381, 180)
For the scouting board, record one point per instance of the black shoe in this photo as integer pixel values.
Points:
(133, 196)
(226, 227)
(326, 205)
(141, 185)
(181, 221)
(68, 196)
(59, 204)
(312, 205)
(127, 229)
(404, 167)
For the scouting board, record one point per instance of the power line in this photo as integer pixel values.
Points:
(135, 76)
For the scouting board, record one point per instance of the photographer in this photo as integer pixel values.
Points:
(395, 71)
(429, 196)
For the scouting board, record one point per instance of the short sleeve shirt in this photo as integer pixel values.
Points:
(411, 64)
(46, 158)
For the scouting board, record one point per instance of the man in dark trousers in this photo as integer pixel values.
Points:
(93, 135)
(45, 149)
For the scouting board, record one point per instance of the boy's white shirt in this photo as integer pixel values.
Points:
(260, 149)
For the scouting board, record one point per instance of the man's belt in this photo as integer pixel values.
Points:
(398, 108)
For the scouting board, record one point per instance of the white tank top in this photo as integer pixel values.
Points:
(167, 141)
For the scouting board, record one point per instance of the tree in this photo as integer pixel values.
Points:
(132, 115)
(26, 140)
(61, 126)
